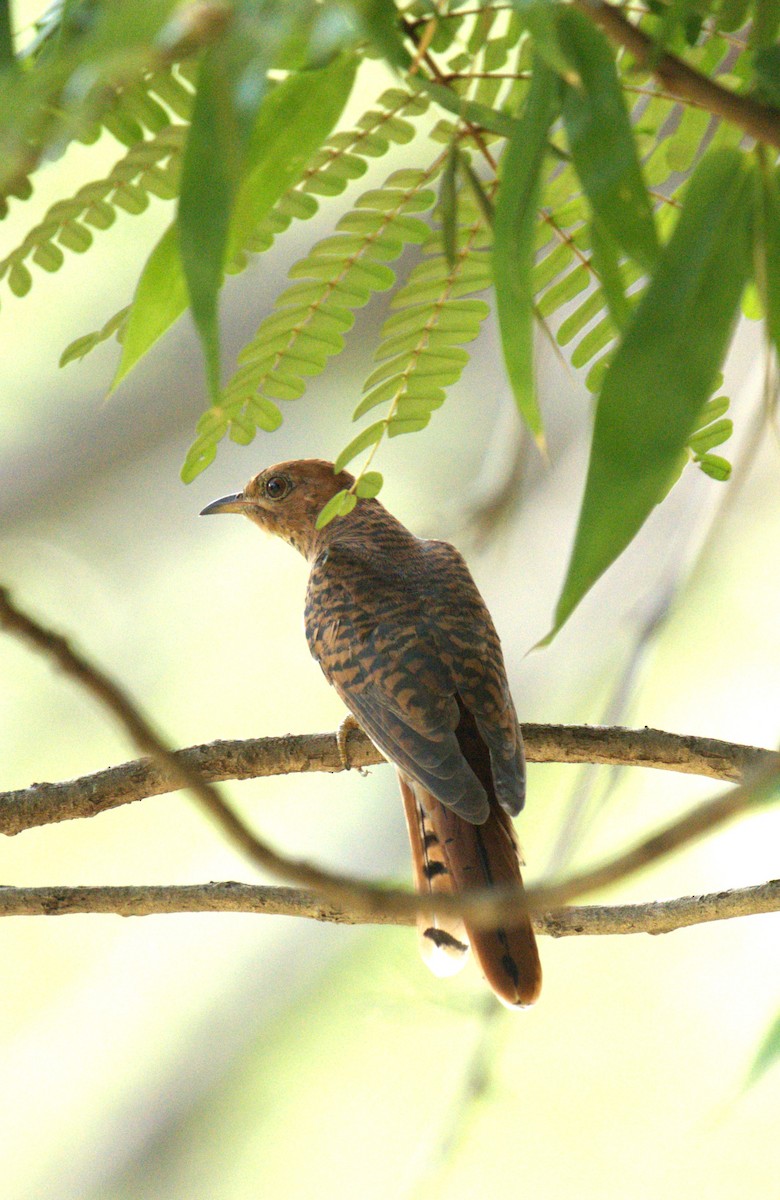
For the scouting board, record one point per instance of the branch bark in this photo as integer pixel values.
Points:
(760, 121)
(486, 907)
(45, 803)
(662, 916)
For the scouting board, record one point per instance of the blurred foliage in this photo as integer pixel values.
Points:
(232, 110)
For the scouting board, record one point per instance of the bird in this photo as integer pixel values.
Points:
(400, 630)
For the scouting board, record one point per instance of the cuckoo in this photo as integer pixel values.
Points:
(401, 632)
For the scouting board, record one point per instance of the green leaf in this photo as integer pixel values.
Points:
(514, 228)
(767, 257)
(160, 297)
(7, 59)
(714, 466)
(664, 370)
(712, 411)
(539, 17)
(768, 1053)
(711, 436)
(338, 506)
(286, 133)
(229, 93)
(607, 264)
(602, 142)
(367, 437)
(448, 203)
(369, 485)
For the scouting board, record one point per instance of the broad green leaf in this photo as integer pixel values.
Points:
(664, 370)
(514, 229)
(292, 122)
(602, 142)
(768, 1053)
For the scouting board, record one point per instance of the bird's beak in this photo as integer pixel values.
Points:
(227, 504)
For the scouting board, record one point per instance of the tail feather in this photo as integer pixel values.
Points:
(443, 939)
(451, 855)
(482, 856)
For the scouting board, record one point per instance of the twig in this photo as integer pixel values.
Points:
(759, 120)
(45, 803)
(485, 907)
(661, 916)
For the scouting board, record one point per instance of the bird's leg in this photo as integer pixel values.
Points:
(347, 726)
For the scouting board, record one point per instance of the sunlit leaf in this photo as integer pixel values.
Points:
(338, 506)
(664, 369)
(514, 228)
(285, 134)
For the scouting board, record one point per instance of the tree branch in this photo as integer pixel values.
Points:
(759, 120)
(483, 907)
(45, 803)
(657, 917)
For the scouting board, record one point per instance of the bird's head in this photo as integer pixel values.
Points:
(287, 499)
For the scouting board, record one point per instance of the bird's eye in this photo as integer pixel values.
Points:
(277, 487)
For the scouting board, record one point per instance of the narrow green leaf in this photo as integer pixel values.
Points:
(607, 264)
(767, 253)
(480, 195)
(161, 294)
(160, 297)
(539, 17)
(448, 204)
(601, 139)
(514, 227)
(213, 165)
(664, 370)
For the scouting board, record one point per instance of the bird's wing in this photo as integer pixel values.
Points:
(468, 641)
(369, 628)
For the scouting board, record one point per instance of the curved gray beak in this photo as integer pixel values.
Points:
(226, 504)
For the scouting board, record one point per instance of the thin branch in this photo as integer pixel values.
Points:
(45, 803)
(760, 121)
(660, 916)
(483, 907)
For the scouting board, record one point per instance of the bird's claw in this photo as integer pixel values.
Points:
(342, 735)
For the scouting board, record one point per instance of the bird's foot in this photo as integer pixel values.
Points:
(347, 726)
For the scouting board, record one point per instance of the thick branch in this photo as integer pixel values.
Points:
(44, 803)
(758, 120)
(657, 917)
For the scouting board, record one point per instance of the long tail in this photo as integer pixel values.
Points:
(452, 855)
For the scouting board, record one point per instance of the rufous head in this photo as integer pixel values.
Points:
(287, 499)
